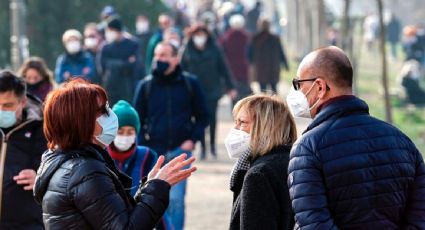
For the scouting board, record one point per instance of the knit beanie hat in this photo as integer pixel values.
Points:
(127, 115)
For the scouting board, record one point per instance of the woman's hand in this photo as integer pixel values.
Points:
(174, 171)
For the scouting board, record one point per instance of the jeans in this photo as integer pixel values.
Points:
(176, 208)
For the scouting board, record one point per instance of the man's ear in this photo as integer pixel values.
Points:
(323, 87)
(24, 101)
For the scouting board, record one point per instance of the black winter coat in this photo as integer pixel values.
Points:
(82, 189)
(210, 67)
(352, 171)
(119, 75)
(24, 144)
(261, 196)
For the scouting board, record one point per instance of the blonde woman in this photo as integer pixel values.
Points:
(261, 140)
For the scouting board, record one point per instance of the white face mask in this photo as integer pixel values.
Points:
(73, 47)
(298, 103)
(124, 143)
(199, 40)
(237, 143)
(142, 26)
(111, 36)
(175, 43)
(109, 124)
(90, 42)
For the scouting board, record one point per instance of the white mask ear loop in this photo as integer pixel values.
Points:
(317, 102)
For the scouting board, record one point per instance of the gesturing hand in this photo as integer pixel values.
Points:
(173, 172)
(26, 177)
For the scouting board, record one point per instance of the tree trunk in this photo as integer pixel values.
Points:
(388, 114)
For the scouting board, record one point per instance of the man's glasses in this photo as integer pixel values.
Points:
(296, 82)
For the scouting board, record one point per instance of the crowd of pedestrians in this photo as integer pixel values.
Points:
(113, 128)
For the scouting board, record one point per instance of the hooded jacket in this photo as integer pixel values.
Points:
(22, 146)
(82, 189)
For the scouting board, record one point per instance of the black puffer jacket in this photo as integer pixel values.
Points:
(82, 189)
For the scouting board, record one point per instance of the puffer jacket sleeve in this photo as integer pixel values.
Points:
(94, 193)
(307, 190)
(415, 209)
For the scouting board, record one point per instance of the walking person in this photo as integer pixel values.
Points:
(235, 45)
(349, 170)
(119, 63)
(77, 183)
(74, 61)
(266, 54)
(173, 116)
(203, 58)
(134, 160)
(22, 143)
(164, 22)
(261, 140)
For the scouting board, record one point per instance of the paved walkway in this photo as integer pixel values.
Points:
(208, 199)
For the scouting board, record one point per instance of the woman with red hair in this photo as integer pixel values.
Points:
(78, 184)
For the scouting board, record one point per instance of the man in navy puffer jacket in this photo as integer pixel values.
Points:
(349, 170)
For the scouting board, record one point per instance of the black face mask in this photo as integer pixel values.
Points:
(35, 86)
(159, 68)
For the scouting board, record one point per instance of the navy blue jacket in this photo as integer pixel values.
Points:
(172, 113)
(79, 64)
(352, 171)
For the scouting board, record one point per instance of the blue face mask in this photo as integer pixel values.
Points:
(7, 118)
(109, 124)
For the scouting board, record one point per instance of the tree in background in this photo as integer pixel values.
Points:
(47, 20)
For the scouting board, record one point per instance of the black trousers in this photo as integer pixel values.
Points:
(212, 110)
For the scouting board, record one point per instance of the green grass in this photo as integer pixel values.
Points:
(369, 85)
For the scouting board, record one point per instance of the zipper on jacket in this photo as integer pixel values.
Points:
(4, 140)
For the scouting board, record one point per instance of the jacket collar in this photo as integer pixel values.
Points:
(339, 107)
(33, 108)
(276, 150)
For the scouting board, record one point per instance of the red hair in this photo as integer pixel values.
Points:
(70, 114)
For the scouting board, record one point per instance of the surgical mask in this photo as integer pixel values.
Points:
(123, 143)
(90, 42)
(111, 36)
(237, 143)
(73, 47)
(7, 119)
(142, 27)
(159, 67)
(175, 43)
(199, 40)
(298, 103)
(109, 124)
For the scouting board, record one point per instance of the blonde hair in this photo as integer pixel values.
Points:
(273, 125)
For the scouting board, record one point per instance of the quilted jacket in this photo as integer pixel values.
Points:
(352, 171)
